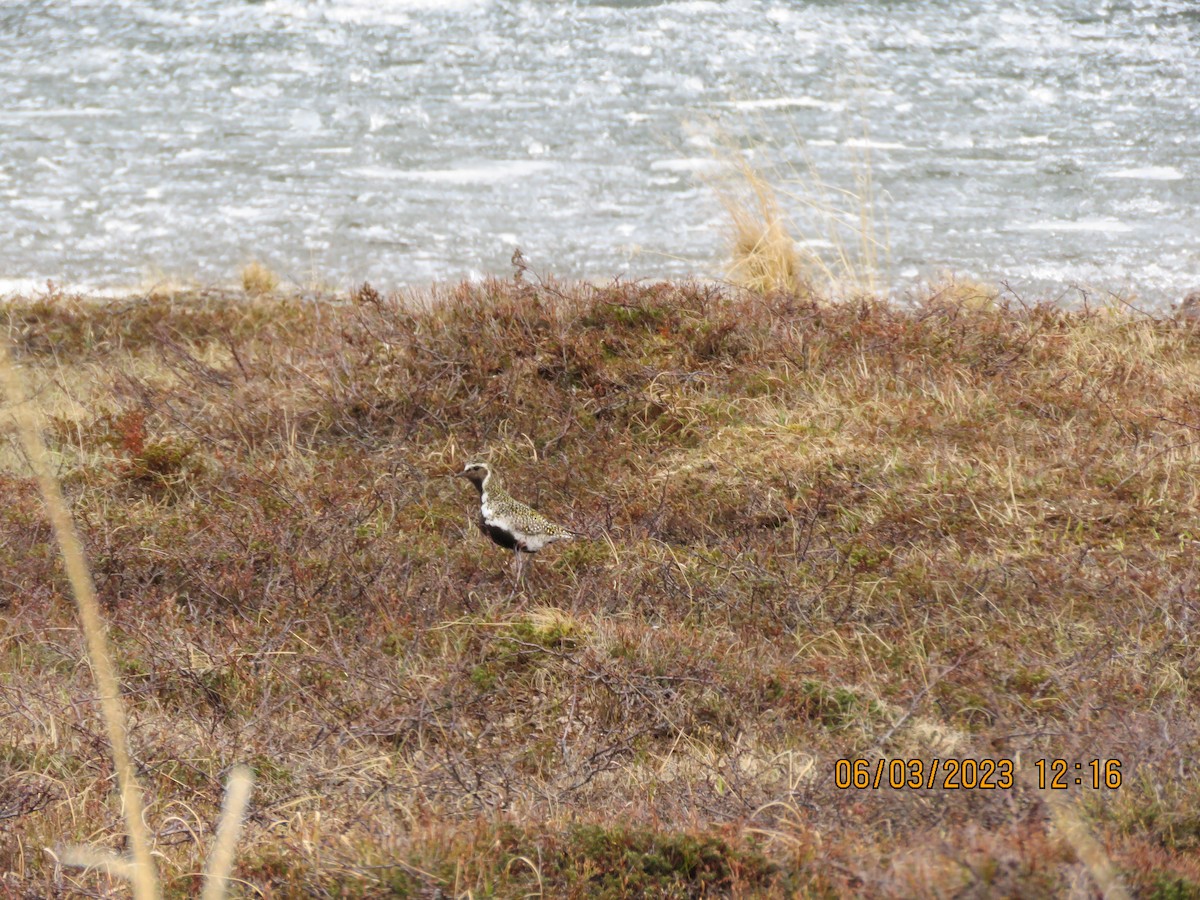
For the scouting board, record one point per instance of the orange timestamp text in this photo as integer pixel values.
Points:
(971, 774)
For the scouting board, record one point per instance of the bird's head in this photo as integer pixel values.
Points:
(477, 473)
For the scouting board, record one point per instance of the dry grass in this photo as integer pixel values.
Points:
(763, 255)
(822, 531)
(258, 280)
(138, 867)
(792, 232)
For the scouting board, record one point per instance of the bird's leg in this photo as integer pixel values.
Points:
(517, 566)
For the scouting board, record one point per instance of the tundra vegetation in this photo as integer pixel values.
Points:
(962, 527)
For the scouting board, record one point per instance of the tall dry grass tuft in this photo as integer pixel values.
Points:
(258, 280)
(138, 869)
(790, 230)
(763, 252)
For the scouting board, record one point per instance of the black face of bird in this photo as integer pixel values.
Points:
(476, 473)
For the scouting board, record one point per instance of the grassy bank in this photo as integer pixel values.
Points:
(960, 530)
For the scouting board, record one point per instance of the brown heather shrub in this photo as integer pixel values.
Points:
(818, 531)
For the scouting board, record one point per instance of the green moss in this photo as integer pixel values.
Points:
(611, 863)
(639, 316)
(483, 677)
(1172, 887)
(835, 707)
(393, 644)
(271, 771)
(399, 883)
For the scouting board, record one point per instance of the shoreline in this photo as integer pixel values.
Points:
(1075, 295)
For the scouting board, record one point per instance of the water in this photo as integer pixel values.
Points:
(1041, 141)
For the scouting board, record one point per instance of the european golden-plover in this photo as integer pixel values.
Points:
(508, 522)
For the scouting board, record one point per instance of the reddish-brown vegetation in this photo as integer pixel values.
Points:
(961, 529)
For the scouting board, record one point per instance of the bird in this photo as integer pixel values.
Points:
(508, 522)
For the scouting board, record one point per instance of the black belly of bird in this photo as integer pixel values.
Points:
(505, 539)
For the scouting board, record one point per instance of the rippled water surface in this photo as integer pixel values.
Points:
(1041, 141)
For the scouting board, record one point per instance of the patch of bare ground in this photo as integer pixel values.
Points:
(960, 530)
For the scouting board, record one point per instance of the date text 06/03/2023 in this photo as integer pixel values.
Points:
(973, 774)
